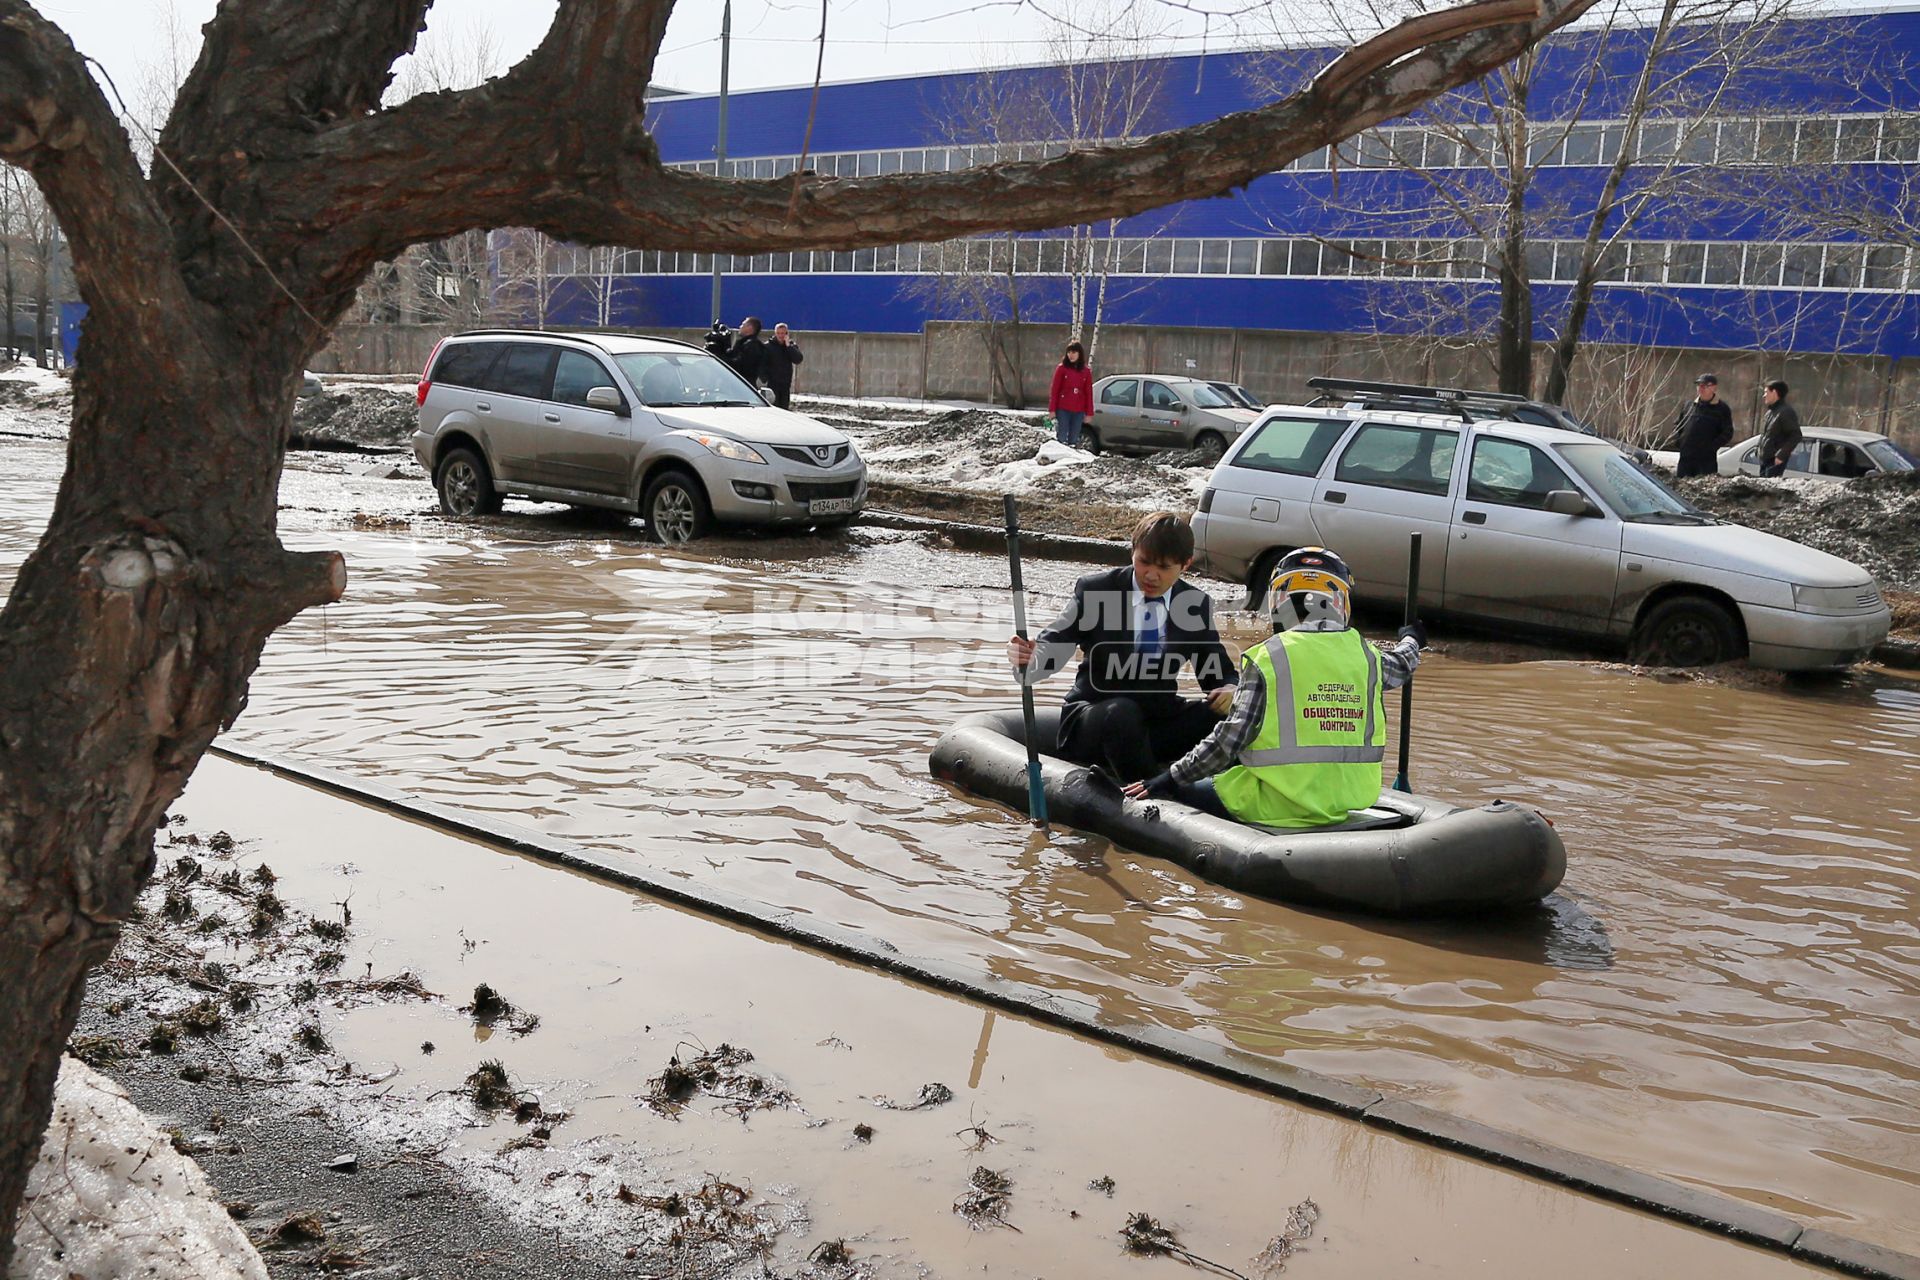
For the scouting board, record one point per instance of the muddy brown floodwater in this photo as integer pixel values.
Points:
(1726, 990)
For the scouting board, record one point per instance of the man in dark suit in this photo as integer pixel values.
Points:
(1138, 625)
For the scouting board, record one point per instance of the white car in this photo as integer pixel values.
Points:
(1529, 527)
(1830, 454)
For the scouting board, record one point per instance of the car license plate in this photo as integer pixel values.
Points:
(830, 507)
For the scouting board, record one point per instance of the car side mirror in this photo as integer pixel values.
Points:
(607, 398)
(1567, 502)
(766, 393)
(1178, 407)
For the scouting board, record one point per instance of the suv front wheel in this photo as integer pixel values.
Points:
(676, 509)
(465, 485)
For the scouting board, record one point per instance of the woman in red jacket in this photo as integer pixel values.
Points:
(1071, 399)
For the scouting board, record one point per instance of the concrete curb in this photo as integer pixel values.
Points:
(1896, 652)
(1704, 1209)
(985, 537)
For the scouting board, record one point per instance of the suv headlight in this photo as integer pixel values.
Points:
(730, 449)
(1863, 598)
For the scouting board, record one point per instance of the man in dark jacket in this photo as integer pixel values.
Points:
(749, 353)
(782, 354)
(1703, 428)
(1781, 434)
(1137, 625)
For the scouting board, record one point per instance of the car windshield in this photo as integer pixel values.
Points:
(1629, 489)
(684, 380)
(1207, 398)
(1577, 422)
(1891, 456)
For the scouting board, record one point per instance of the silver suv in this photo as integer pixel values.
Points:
(648, 426)
(1529, 527)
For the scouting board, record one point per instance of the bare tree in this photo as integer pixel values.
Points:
(1646, 99)
(1100, 91)
(134, 626)
(29, 246)
(16, 189)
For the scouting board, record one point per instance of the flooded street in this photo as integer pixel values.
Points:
(1726, 990)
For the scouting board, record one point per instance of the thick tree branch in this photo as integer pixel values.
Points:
(301, 64)
(55, 123)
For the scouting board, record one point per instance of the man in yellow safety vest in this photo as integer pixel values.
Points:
(1304, 743)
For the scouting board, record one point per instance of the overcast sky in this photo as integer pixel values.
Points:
(773, 40)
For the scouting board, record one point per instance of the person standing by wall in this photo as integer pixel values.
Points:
(1703, 428)
(1071, 399)
(748, 355)
(1781, 434)
(783, 353)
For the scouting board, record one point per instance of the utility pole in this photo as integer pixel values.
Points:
(720, 146)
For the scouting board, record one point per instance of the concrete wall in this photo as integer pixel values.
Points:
(1634, 391)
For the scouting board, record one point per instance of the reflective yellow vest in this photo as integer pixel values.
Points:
(1320, 746)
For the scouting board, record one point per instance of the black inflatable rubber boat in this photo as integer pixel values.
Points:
(1407, 856)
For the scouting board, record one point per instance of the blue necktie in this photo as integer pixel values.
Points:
(1153, 637)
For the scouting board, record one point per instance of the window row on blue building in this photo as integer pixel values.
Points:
(1841, 266)
(1862, 138)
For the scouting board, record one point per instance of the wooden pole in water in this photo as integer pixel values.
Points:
(1036, 794)
(1406, 690)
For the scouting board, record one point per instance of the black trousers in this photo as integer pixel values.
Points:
(1133, 740)
(781, 395)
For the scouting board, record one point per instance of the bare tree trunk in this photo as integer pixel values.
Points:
(44, 250)
(156, 600)
(6, 265)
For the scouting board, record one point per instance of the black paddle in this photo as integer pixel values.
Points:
(1406, 690)
(1036, 794)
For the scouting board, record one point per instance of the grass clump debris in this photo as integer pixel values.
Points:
(984, 1202)
(490, 1008)
(719, 1073)
(97, 1051)
(201, 1018)
(490, 1087)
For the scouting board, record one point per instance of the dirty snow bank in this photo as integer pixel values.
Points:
(1873, 521)
(111, 1198)
(988, 451)
(34, 402)
(356, 417)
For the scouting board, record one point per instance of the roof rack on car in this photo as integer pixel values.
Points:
(583, 335)
(1388, 395)
(1411, 389)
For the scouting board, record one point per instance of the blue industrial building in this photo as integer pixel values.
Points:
(1348, 242)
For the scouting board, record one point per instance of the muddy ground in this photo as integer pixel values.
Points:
(218, 1012)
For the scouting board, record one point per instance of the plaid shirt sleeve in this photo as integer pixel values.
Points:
(1233, 735)
(1230, 737)
(1397, 661)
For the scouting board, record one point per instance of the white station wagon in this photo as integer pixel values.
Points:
(1531, 527)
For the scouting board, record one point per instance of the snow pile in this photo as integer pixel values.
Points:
(27, 380)
(34, 402)
(110, 1198)
(356, 417)
(991, 451)
(1873, 521)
